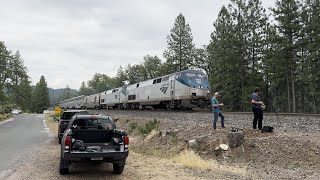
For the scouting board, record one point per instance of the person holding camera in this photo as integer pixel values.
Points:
(217, 111)
(257, 107)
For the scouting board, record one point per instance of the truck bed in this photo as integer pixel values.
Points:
(93, 136)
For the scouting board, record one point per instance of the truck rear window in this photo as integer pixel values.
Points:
(69, 115)
(92, 124)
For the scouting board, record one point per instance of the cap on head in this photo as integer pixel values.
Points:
(217, 94)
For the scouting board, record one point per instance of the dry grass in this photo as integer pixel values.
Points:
(52, 124)
(191, 159)
(4, 117)
(152, 134)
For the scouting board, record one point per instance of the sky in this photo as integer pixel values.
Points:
(69, 41)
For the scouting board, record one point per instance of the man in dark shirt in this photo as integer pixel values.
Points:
(256, 108)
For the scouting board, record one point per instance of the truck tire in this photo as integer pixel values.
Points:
(117, 168)
(64, 167)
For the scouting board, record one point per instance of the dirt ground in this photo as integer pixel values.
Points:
(44, 164)
(290, 152)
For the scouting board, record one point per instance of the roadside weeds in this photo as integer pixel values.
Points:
(4, 117)
(51, 123)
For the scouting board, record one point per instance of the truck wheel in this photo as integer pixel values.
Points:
(117, 168)
(64, 167)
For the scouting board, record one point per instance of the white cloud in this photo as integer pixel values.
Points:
(69, 41)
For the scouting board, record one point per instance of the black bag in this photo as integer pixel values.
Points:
(267, 129)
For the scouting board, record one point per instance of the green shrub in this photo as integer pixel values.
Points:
(132, 126)
(7, 108)
(148, 127)
(174, 138)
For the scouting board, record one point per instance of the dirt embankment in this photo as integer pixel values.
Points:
(291, 151)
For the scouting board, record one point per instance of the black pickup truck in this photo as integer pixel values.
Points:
(65, 118)
(93, 138)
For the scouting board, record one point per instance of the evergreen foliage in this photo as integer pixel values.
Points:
(15, 85)
(40, 96)
(180, 46)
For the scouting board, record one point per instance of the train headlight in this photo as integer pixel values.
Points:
(208, 91)
(193, 90)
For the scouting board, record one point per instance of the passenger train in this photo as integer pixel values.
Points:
(188, 89)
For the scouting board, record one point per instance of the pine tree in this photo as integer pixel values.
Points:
(18, 72)
(201, 59)
(84, 90)
(40, 96)
(222, 57)
(5, 61)
(309, 76)
(180, 46)
(287, 15)
(25, 90)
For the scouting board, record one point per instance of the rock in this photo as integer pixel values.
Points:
(192, 143)
(176, 130)
(252, 144)
(224, 147)
(164, 133)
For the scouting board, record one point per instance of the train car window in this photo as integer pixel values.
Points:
(137, 85)
(165, 78)
(131, 97)
(154, 81)
(190, 75)
(201, 75)
(159, 80)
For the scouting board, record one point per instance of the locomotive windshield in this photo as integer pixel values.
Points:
(195, 75)
(194, 79)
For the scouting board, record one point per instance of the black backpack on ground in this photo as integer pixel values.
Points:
(267, 129)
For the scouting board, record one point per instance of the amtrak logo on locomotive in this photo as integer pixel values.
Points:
(164, 89)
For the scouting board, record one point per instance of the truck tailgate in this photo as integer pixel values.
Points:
(107, 155)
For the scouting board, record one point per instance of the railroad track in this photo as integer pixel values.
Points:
(206, 112)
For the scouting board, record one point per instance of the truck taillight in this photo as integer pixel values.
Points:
(126, 140)
(67, 142)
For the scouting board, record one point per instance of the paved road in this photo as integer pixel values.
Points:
(19, 136)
